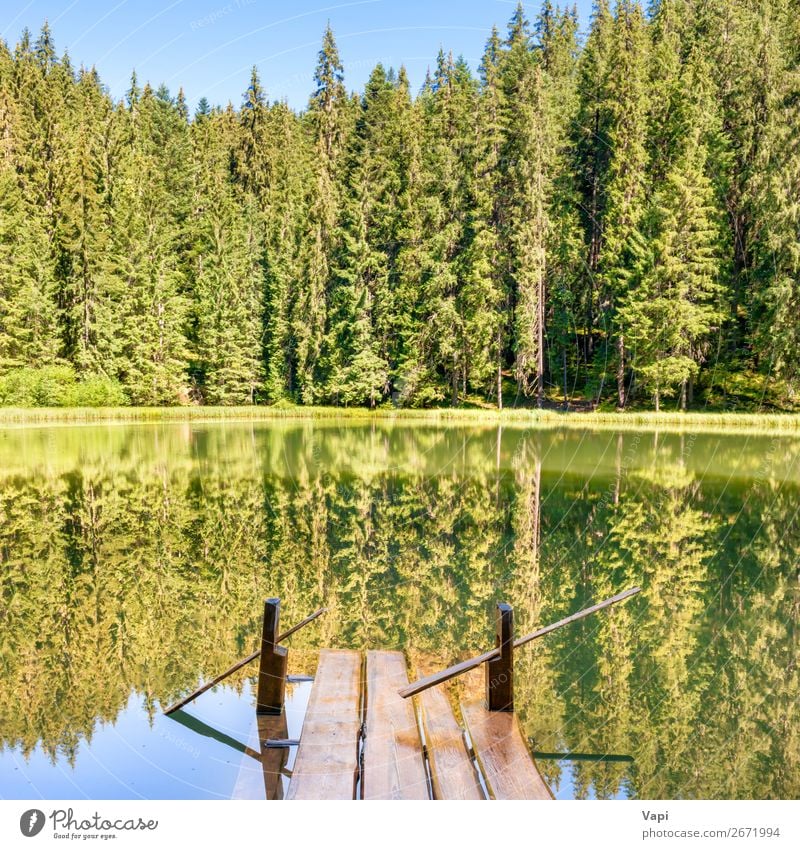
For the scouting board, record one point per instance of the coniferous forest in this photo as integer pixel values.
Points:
(610, 218)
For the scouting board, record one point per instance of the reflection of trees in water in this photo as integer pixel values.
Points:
(142, 564)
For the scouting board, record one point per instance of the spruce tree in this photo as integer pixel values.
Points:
(326, 122)
(528, 186)
(228, 283)
(775, 334)
(90, 308)
(556, 48)
(485, 291)
(625, 190)
(361, 296)
(285, 225)
(675, 304)
(143, 267)
(28, 309)
(592, 158)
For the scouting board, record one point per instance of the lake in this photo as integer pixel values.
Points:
(135, 560)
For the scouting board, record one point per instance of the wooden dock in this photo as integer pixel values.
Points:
(362, 740)
(368, 733)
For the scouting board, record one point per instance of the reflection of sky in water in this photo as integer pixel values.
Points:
(134, 758)
(567, 786)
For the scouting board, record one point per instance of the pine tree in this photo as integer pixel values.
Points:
(625, 190)
(28, 313)
(326, 121)
(592, 158)
(143, 265)
(228, 272)
(675, 305)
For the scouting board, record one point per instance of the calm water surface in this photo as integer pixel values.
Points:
(134, 560)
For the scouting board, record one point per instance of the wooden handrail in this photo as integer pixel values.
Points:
(237, 666)
(466, 665)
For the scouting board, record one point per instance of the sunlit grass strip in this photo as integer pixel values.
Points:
(771, 422)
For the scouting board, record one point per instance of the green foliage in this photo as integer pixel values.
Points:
(58, 386)
(96, 391)
(49, 386)
(604, 222)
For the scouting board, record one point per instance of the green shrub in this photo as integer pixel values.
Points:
(58, 386)
(97, 391)
(36, 387)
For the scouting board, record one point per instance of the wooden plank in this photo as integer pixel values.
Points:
(503, 755)
(394, 765)
(452, 773)
(327, 758)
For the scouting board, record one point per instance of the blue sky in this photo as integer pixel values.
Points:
(209, 46)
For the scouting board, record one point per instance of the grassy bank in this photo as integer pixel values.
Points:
(672, 421)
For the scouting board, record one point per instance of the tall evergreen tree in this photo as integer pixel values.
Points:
(284, 209)
(28, 314)
(228, 271)
(625, 190)
(90, 310)
(143, 266)
(485, 289)
(592, 158)
(361, 297)
(326, 123)
(776, 254)
(673, 304)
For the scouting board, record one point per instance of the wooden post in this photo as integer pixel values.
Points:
(500, 670)
(274, 660)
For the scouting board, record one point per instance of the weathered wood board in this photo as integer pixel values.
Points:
(326, 766)
(394, 765)
(452, 773)
(502, 754)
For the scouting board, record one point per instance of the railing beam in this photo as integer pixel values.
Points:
(473, 662)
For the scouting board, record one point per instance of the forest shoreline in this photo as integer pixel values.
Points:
(762, 423)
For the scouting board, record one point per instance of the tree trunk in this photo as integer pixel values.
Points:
(683, 395)
(621, 372)
(540, 341)
(499, 389)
